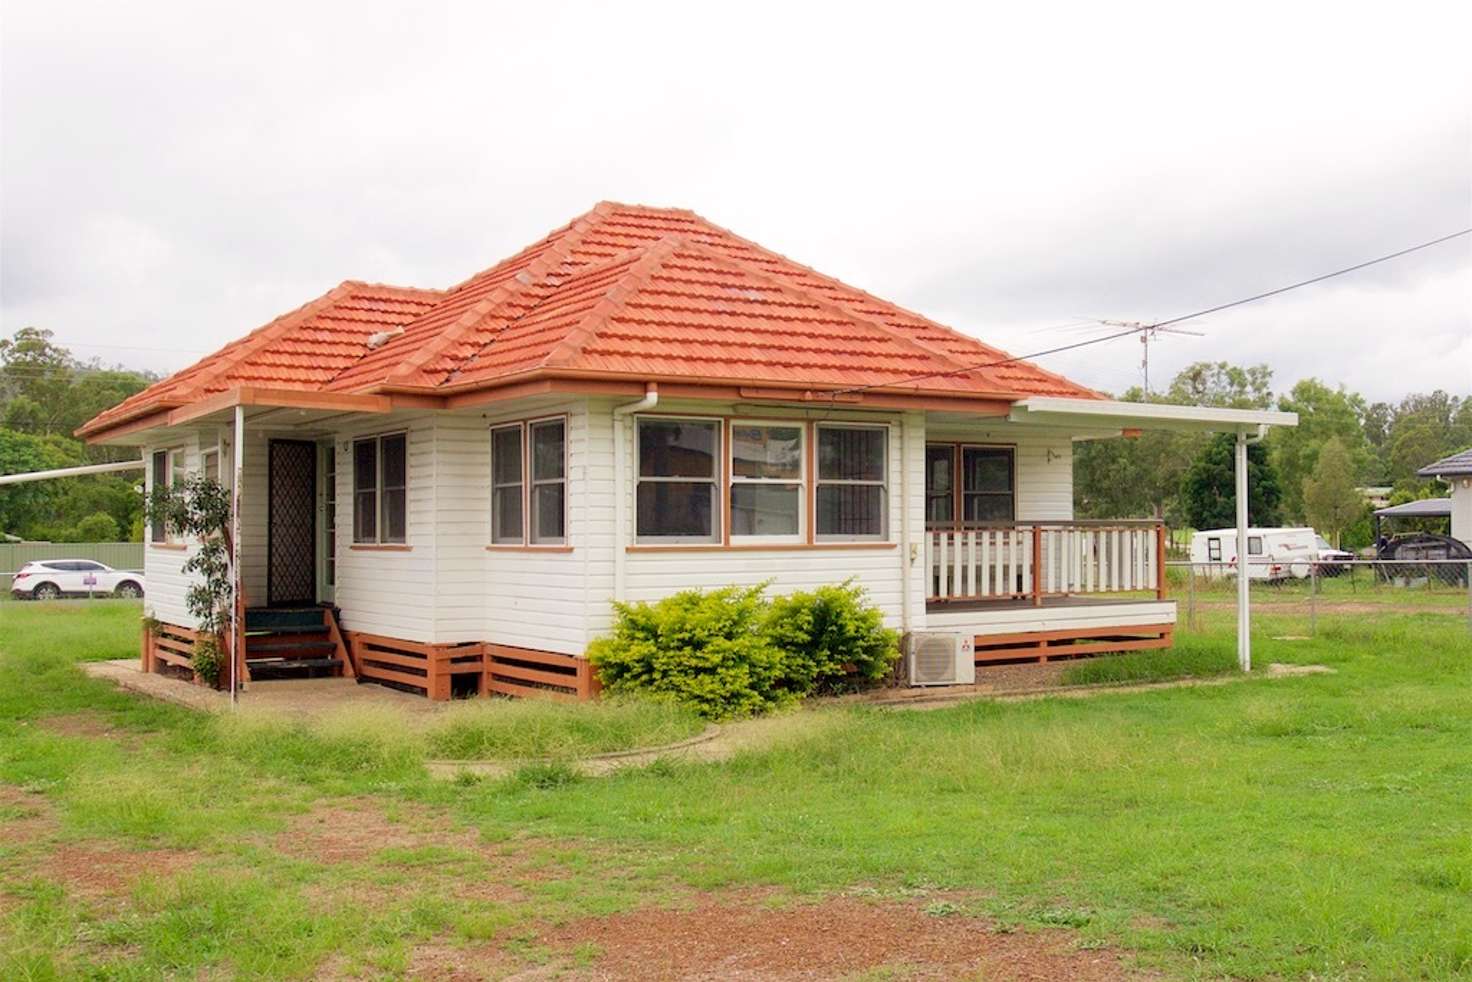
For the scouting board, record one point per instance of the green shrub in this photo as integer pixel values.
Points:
(706, 650)
(729, 652)
(831, 640)
(206, 661)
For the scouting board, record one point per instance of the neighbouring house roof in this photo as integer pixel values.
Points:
(1422, 508)
(622, 292)
(1454, 466)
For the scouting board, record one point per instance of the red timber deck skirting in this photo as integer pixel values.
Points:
(430, 668)
(1047, 645)
(169, 644)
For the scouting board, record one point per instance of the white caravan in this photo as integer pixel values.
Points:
(1272, 554)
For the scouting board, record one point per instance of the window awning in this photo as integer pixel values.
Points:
(1097, 414)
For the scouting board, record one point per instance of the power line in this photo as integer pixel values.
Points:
(1316, 279)
(1157, 324)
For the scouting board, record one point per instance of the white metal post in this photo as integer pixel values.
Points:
(237, 631)
(1244, 620)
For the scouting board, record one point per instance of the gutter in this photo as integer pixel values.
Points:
(620, 490)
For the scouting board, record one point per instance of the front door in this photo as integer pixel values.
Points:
(291, 523)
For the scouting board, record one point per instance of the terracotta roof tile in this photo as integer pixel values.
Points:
(623, 290)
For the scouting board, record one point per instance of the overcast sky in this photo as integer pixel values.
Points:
(172, 176)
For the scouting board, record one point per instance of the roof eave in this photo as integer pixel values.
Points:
(1072, 413)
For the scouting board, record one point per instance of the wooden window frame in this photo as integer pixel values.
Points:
(520, 483)
(528, 483)
(958, 522)
(803, 482)
(720, 517)
(173, 468)
(379, 541)
(883, 483)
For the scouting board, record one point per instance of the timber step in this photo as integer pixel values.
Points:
(293, 642)
(262, 668)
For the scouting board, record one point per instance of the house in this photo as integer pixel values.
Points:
(1456, 472)
(445, 489)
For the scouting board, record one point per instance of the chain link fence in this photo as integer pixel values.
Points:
(1347, 588)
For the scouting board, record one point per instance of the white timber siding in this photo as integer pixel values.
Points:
(535, 598)
(166, 584)
(390, 591)
(651, 576)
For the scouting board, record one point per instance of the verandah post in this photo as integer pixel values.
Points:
(1037, 565)
(1160, 584)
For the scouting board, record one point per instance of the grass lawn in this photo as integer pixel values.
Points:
(1316, 826)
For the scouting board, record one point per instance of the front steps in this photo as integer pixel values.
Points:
(294, 643)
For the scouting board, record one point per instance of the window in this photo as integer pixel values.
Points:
(380, 489)
(986, 484)
(1254, 545)
(549, 482)
(168, 470)
(852, 482)
(209, 465)
(940, 486)
(506, 484)
(160, 481)
(544, 497)
(676, 492)
(767, 480)
(1214, 550)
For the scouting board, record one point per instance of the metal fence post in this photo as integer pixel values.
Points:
(1313, 599)
(1190, 596)
(1469, 596)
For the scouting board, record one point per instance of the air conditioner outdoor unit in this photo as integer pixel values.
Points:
(940, 659)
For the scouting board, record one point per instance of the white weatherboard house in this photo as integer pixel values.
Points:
(445, 489)
(1456, 472)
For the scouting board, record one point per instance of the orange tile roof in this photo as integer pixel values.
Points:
(303, 349)
(622, 291)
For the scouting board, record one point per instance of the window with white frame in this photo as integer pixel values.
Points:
(507, 492)
(209, 465)
(767, 480)
(1254, 545)
(852, 482)
(677, 489)
(529, 483)
(380, 489)
(549, 481)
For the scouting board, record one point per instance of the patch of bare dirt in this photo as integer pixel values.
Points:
(836, 938)
(93, 871)
(24, 816)
(88, 724)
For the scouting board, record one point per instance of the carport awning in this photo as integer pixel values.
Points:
(1424, 508)
(1103, 414)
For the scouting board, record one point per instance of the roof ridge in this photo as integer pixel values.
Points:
(654, 256)
(1004, 356)
(553, 258)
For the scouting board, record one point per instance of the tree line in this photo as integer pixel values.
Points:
(46, 392)
(1311, 474)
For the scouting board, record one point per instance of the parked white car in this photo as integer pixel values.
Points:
(50, 579)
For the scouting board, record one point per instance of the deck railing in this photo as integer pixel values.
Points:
(1045, 559)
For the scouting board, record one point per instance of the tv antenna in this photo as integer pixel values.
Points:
(1148, 333)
